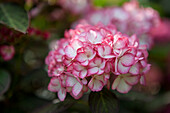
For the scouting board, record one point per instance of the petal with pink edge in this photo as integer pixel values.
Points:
(131, 79)
(98, 60)
(62, 94)
(77, 89)
(100, 50)
(53, 88)
(107, 50)
(55, 81)
(127, 60)
(76, 44)
(97, 85)
(122, 69)
(134, 69)
(123, 87)
(83, 73)
(116, 83)
(70, 52)
(78, 96)
(70, 81)
(121, 43)
(85, 63)
(81, 57)
(108, 56)
(93, 70)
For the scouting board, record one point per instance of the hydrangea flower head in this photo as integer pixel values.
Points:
(87, 56)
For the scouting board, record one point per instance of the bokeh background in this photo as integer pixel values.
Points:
(25, 87)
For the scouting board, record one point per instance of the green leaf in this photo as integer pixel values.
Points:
(4, 81)
(103, 102)
(14, 16)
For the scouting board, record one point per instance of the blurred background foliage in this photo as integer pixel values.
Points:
(24, 89)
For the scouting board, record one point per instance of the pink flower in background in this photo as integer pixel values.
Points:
(129, 19)
(88, 55)
(75, 6)
(161, 32)
(7, 52)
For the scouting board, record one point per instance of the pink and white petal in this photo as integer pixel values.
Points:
(116, 83)
(98, 39)
(123, 87)
(70, 52)
(81, 57)
(100, 72)
(55, 81)
(77, 89)
(102, 65)
(75, 73)
(116, 65)
(135, 69)
(92, 64)
(78, 96)
(91, 36)
(92, 55)
(97, 85)
(91, 83)
(53, 88)
(76, 44)
(67, 61)
(85, 63)
(121, 43)
(84, 81)
(93, 70)
(83, 73)
(62, 94)
(70, 81)
(108, 56)
(97, 61)
(131, 79)
(100, 50)
(78, 67)
(122, 69)
(127, 60)
(107, 50)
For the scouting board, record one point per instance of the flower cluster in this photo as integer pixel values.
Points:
(129, 19)
(91, 57)
(7, 52)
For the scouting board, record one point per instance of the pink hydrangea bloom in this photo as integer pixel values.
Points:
(129, 19)
(7, 52)
(76, 6)
(87, 56)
